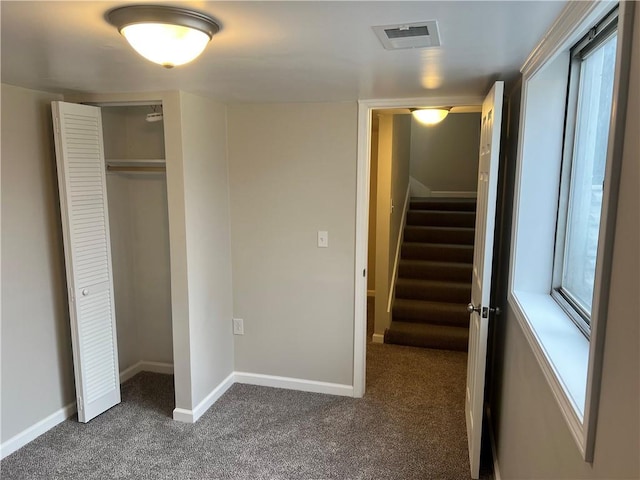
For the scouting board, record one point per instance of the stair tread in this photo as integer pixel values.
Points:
(449, 252)
(452, 245)
(431, 282)
(434, 279)
(427, 304)
(440, 227)
(435, 263)
(450, 204)
(427, 335)
(435, 270)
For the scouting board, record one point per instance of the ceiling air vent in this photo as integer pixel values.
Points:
(409, 35)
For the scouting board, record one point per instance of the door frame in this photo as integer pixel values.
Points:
(365, 107)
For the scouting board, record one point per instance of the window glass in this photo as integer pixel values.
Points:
(595, 91)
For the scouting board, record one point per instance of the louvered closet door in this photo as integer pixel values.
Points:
(85, 226)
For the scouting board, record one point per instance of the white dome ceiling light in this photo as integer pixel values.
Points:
(169, 36)
(430, 116)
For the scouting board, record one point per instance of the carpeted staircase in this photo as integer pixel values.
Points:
(434, 276)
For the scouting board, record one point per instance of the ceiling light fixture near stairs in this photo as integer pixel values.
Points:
(169, 36)
(430, 116)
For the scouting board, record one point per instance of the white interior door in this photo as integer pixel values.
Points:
(480, 311)
(85, 228)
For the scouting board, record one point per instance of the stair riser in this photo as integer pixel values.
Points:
(458, 206)
(439, 235)
(456, 319)
(441, 219)
(439, 253)
(454, 272)
(434, 293)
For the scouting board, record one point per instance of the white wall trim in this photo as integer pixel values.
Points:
(37, 429)
(453, 194)
(146, 366)
(563, 32)
(183, 415)
(157, 367)
(130, 372)
(377, 338)
(396, 261)
(191, 416)
(362, 217)
(294, 384)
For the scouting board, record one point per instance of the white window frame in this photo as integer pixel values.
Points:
(570, 362)
(603, 31)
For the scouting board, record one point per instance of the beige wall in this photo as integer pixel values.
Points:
(206, 200)
(394, 141)
(533, 440)
(292, 173)
(37, 369)
(444, 157)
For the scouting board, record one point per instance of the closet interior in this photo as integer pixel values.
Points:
(139, 234)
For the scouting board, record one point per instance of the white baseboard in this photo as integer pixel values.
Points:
(157, 367)
(494, 452)
(294, 384)
(377, 338)
(444, 193)
(181, 414)
(37, 429)
(191, 416)
(145, 366)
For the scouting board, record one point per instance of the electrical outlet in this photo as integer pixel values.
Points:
(238, 326)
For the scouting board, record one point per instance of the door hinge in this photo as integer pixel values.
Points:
(72, 296)
(57, 124)
(80, 403)
(364, 272)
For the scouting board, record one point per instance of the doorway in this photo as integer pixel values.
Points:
(423, 181)
(366, 111)
(479, 309)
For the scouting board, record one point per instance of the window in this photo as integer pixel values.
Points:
(586, 138)
(570, 140)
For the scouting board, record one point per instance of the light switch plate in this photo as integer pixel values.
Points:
(323, 239)
(238, 326)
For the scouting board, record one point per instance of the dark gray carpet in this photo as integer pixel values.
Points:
(410, 425)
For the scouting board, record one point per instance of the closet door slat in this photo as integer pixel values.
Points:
(84, 211)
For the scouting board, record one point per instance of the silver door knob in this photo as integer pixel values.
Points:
(471, 308)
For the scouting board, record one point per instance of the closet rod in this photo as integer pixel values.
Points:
(135, 169)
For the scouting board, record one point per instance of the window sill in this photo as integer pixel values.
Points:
(561, 350)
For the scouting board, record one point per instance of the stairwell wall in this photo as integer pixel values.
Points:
(444, 157)
(292, 174)
(394, 147)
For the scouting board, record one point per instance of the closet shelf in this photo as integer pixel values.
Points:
(135, 165)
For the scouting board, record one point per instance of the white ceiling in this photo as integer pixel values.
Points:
(271, 51)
